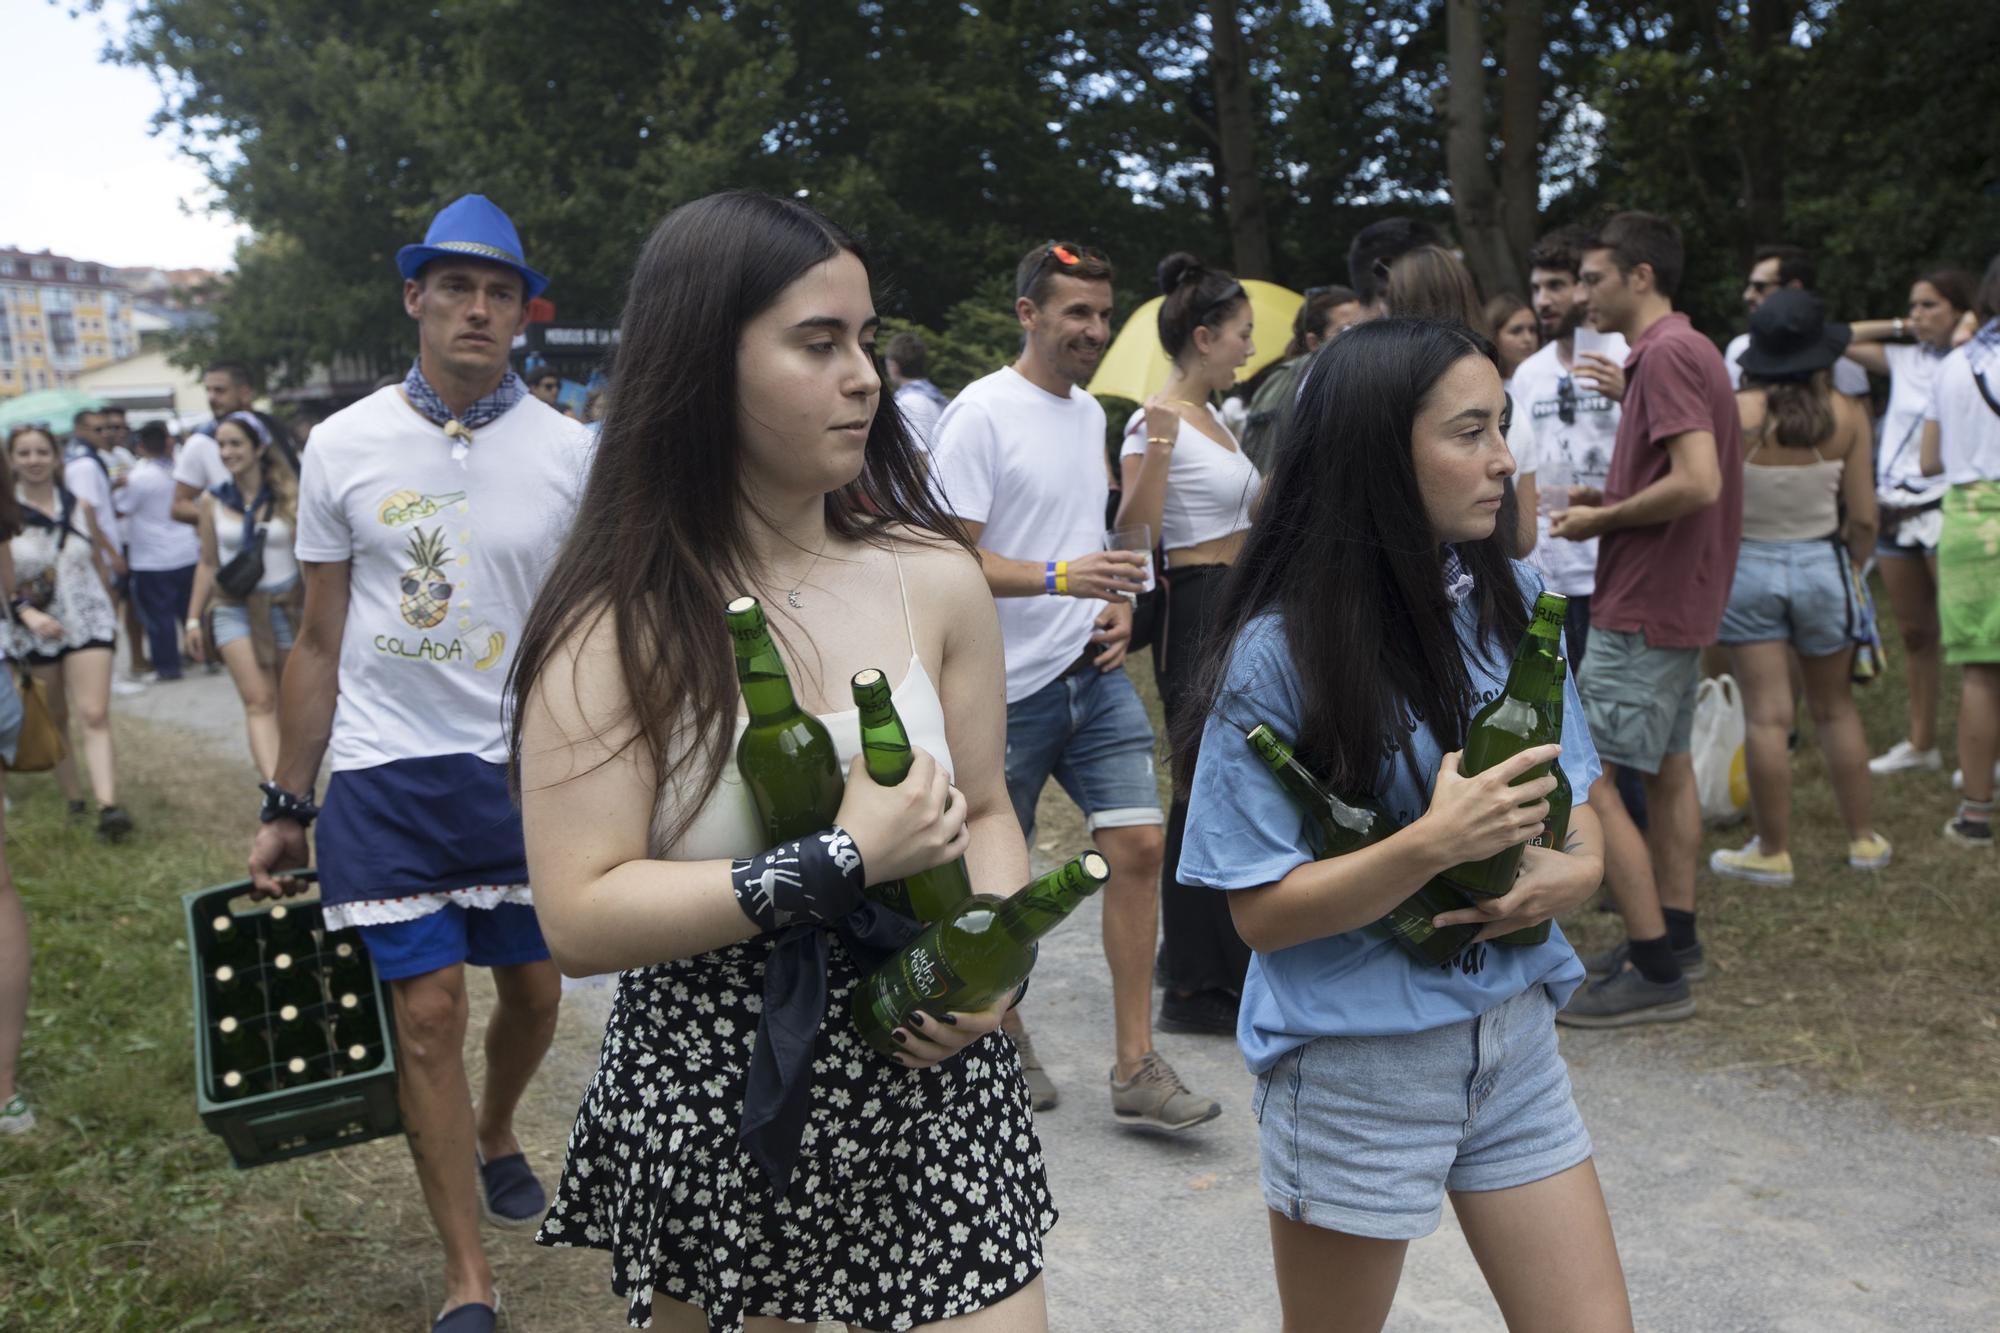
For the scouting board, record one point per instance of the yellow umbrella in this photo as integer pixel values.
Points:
(1135, 366)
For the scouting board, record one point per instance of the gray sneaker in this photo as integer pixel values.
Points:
(1042, 1094)
(1598, 966)
(1155, 1098)
(1627, 998)
(15, 1117)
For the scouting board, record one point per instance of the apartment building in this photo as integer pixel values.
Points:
(58, 318)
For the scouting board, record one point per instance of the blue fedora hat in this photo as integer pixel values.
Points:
(471, 227)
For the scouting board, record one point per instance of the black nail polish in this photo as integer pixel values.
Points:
(948, 1018)
(916, 1020)
(901, 1035)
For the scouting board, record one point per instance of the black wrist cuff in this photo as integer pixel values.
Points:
(281, 804)
(816, 879)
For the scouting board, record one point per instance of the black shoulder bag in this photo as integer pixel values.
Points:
(245, 570)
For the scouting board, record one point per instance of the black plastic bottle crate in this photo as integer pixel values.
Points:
(274, 1125)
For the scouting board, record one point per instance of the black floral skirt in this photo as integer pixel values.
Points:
(919, 1195)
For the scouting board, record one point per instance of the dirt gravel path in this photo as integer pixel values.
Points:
(1743, 1199)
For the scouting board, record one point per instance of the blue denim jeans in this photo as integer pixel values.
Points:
(1090, 732)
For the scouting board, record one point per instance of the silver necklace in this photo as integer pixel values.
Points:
(792, 597)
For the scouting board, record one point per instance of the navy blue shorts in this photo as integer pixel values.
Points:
(498, 936)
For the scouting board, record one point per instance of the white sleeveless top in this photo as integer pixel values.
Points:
(1209, 487)
(728, 827)
(281, 566)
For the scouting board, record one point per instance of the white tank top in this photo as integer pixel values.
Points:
(1209, 487)
(727, 826)
(280, 565)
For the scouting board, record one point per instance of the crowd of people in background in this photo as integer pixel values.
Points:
(1697, 507)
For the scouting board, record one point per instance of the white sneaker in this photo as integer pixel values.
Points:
(1958, 776)
(1904, 757)
(125, 688)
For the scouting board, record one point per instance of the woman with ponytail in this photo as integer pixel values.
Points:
(1186, 478)
(254, 512)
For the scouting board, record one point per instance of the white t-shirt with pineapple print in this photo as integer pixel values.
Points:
(446, 557)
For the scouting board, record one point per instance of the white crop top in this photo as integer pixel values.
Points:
(281, 566)
(1209, 487)
(728, 827)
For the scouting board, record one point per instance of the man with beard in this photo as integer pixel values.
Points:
(1572, 402)
(1020, 458)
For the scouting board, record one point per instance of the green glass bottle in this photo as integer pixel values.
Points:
(1340, 828)
(235, 989)
(355, 1058)
(929, 895)
(346, 967)
(230, 943)
(1555, 833)
(237, 1046)
(1515, 721)
(298, 1046)
(294, 981)
(973, 957)
(786, 757)
(289, 930)
(235, 1083)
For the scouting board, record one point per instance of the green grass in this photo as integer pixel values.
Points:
(120, 1211)
(1882, 985)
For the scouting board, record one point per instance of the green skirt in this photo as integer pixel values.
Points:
(1968, 556)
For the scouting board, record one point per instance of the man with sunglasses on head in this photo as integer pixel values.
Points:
(1019, 456)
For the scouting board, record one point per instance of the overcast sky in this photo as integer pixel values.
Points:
(82, 175)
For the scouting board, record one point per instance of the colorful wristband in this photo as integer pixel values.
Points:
(816, 879)
(1062, 578)
(1049, 579)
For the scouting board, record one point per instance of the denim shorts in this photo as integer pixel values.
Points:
(232, 622)
(1364, 1135)
(1638, 699)
(497, 936)
(10, 715)
(1790, 592)
(1089, 731)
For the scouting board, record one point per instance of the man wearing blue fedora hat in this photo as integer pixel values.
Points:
(427, 514)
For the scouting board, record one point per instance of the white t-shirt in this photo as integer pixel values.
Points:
(153, 539)
(1899, 469)
(1848, 376)
(1968, 430)
(423, 663)
(1569, 453)
(88, 480)
(1209, 488)
(921, 404)
(280, 565)
(199, 464)
(1030, 466)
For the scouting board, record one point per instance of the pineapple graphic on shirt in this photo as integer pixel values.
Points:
(426, 592)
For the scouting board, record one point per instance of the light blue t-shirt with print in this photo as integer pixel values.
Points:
(1244, 832)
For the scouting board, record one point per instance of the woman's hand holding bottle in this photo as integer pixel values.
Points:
(907, 828)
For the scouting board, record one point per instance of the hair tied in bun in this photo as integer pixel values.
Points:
(1179, 269)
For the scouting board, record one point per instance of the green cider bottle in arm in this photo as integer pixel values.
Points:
(786, 757)
(1515, 721)
(929, 895)
(973, 957)
(1341, 827)
(1555, 833)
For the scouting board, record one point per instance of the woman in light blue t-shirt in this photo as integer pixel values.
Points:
(1372, 611)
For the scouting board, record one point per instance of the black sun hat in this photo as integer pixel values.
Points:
(1790, 338)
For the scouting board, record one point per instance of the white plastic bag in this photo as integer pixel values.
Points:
(1717, 751)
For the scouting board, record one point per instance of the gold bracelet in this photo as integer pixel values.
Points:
(1167, 440)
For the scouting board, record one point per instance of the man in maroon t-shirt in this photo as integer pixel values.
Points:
(1670, 519)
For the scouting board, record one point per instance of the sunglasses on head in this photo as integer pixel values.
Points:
(1064, 257)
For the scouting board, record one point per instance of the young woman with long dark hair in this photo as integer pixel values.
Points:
(253, 633)
(1372, 610)
(1911, 504)
(67, 625)
(1184, 476)
(749, 450)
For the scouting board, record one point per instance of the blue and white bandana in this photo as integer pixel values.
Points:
(492, 407)
(1457, 578)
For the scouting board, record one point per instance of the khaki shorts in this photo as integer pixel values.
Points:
(1639, 700)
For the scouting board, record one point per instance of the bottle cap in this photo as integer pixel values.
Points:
(228, 1024)
(289, 1013)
